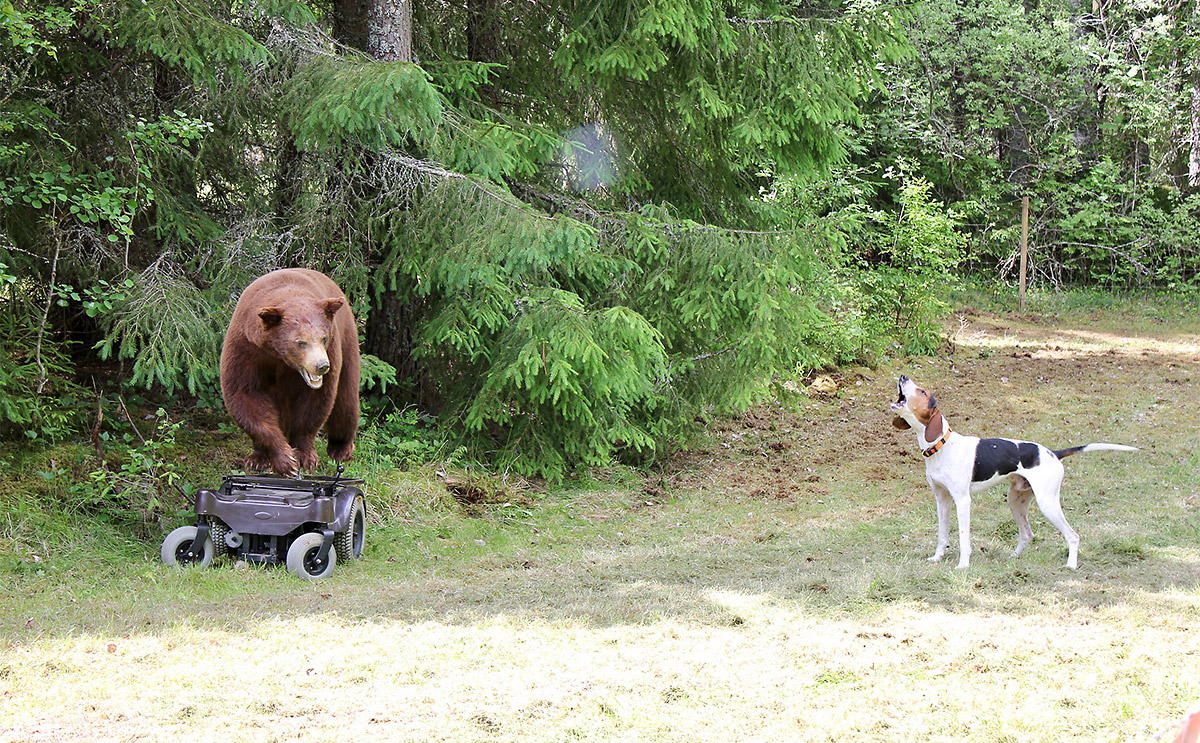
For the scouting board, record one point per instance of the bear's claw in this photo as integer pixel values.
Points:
(308, 458)
(282, 463)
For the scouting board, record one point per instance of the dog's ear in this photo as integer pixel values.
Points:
(936, 425)
(900, 423)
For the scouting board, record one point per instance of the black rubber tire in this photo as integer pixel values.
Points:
(300, 557)
(176, 547)
(349, 544)
(218, 530)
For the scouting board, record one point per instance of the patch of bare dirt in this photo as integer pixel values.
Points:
(789, 453)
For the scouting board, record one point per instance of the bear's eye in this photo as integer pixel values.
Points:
(302, 344)
(325, 341)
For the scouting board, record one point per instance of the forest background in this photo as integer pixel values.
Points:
(570, 230)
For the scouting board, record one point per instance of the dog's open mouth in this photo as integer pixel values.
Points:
(900, 399)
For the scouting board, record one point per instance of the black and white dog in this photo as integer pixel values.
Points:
(958, 466)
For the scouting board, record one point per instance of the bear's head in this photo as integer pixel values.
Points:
(298, 331)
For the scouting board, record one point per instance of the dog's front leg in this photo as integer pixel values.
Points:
(962, 503)
(944, 503)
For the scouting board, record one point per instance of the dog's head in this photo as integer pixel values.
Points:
(914, 406)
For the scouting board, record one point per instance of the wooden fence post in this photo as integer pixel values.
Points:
(1024, 244)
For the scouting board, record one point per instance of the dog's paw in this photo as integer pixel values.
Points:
(934, 558)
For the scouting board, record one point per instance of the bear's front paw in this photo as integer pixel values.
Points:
(259, 461)
(307, 457)
(282, 462)
(285, 463)
(341, 451)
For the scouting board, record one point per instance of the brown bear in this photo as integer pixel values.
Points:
(290, 365)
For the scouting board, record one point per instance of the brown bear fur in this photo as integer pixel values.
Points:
(289, 327)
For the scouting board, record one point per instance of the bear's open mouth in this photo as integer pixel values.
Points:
(312, 380)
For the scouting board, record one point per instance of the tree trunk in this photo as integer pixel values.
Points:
(288, 182)
(1182, 81)
(1013, 146)
(483, 38)
(389, 30)
(1084, 20)
(1192, 76)
(1194, 136)
(383, 29)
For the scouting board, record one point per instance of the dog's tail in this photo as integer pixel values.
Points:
(1064, 453)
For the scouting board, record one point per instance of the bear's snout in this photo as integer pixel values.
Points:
(315, 376)
(313, 364)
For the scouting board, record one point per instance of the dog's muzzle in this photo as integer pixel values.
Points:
(900, 393)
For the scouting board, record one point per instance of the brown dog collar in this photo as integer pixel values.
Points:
(937, 445)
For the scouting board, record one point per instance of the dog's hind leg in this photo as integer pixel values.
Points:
(1019, 496)
(1046, 491)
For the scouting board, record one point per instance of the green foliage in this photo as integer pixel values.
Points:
(24, 28)
(167, 327)
(745, 85)
(139, 473)
(565, 384)
(197, 38)
(372, 104)
(375, 373)
(37, 397)
(400, 439)
(561, 341)
(923, 250)
(156, 157)
(1088, 115)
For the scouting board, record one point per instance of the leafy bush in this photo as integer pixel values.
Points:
(568, 385)
(139, 474)
(923, 248)
(398, 439)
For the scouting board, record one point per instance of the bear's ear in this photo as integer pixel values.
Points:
(900, 423)
(331, 306)
(270, 316)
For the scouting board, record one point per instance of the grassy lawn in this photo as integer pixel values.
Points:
(770, 585)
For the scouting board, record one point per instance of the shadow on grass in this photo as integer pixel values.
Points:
(846, 572)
